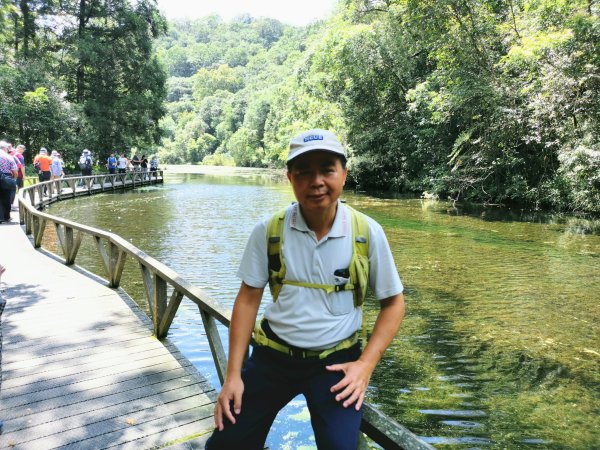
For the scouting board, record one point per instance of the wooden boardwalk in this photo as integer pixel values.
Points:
(80, 367)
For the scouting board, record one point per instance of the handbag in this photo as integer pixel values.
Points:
(7, 183)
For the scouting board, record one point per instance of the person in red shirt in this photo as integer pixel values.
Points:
(13, 153)
(21, 158)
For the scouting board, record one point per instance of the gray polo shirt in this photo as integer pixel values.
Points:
(307, 317)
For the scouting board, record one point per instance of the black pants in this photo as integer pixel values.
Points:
(271, 380)
(44, 176)
(5, 203)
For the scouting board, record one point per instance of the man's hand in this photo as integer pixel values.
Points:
(357, 374)
(243, 318)
(352, 388)
(231, 392)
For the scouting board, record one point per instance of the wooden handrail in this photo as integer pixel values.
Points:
(157, 278)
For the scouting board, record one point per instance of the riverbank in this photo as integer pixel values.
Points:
(221, 170)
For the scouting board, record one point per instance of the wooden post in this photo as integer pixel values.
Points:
(216, 346)
(70, 245)
(114, 261)
(159, 301)
(169, 315)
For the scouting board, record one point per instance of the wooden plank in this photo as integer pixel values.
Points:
(88, 389)
(99, 422)
(145, 429)
(82, 370)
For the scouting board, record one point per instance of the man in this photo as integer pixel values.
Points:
(9, 171)
(306, 342)
(135, 162)
(122, 163)
(111, 164)
(42, 164)
(86, 163)
(153, 163)
(56, 168)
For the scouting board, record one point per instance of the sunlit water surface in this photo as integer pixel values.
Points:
(500, 347)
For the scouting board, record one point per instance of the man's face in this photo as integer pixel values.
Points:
(317, 179)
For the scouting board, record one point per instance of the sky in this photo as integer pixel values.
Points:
(293, 12)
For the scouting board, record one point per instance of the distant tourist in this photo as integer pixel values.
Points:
(86, 163)
(144, 166)
(153, 163)
(135, 162)
(41, 165)
(12, 152)
(8, 181)
(111, 164)
(122, 163)
(56, 168)
(20, 157)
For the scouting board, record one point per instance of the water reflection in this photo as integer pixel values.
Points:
(500, 346)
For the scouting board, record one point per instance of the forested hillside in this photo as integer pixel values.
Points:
(496, 101)
(493, 101)
(233, 92)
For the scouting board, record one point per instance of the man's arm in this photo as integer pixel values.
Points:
(357, 374)
(243, 320)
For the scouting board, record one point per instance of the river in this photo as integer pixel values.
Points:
(500, 347)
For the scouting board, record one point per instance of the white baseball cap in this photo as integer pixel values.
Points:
(313, 140)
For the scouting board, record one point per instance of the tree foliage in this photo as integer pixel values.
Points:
(81, 73)
(491, 101)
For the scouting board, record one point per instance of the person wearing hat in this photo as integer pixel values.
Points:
(86, 163)
(56, 168)
(306, 342)
(42, 164)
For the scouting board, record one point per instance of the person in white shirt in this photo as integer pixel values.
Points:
(307, 341)
(122, 163)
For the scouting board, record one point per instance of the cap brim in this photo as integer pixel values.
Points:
(314, 148)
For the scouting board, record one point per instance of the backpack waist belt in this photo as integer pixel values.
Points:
(260, 338)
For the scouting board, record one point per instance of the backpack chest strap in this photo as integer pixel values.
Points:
(328, 288)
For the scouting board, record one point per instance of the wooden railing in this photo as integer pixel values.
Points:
(159, 280)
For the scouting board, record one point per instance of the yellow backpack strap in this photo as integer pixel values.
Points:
(274, 246)
(328, 288)
(359, 265)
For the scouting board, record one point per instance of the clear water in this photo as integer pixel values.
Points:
(500, 347)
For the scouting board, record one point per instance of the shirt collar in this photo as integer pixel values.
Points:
(340, 227)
